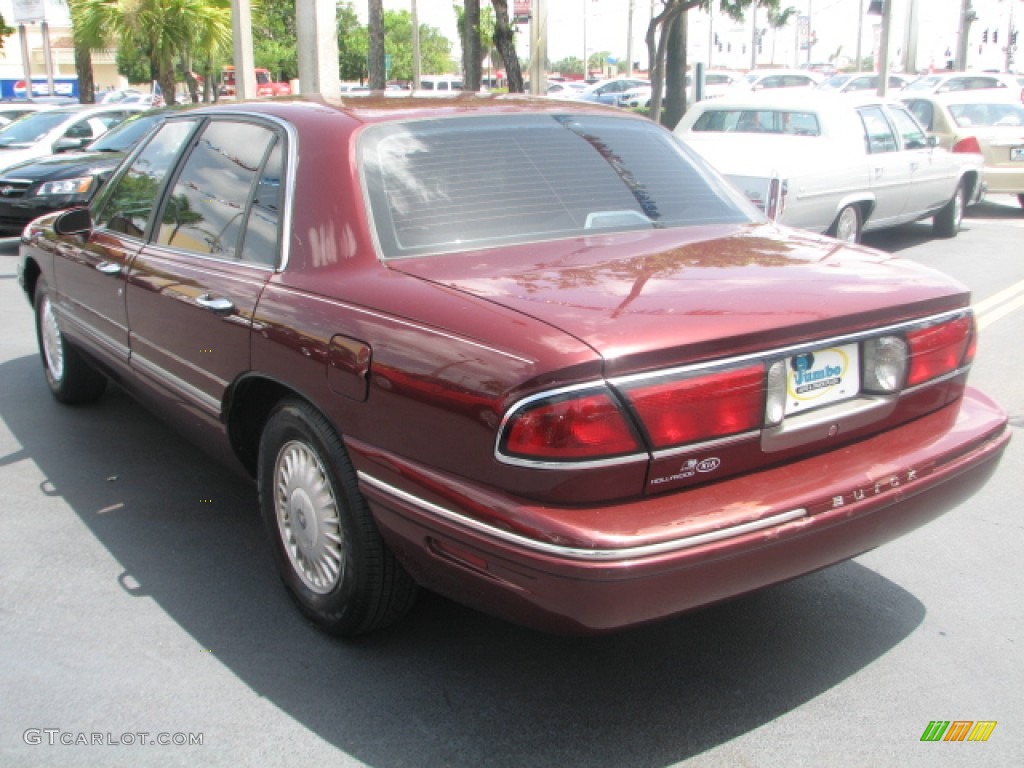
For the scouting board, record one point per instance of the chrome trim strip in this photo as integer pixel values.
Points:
(790, 350)
(575, 553)
(100, 338)
(613, 384)
(707, 445)
(174, 383)
(937, 380)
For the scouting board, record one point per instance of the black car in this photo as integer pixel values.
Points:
(69, 179)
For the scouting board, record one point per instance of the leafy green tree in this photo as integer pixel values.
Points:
(163, 30)
(435, 48)
(353, 44)
(659, 32)
(274, 44)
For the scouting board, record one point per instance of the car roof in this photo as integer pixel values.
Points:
(394, 106)
(971, 96)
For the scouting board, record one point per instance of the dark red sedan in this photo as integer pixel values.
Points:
(533, 355)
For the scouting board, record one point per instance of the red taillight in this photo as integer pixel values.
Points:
(571, 428)
(969, 144)
(699, 408)
(939, 349)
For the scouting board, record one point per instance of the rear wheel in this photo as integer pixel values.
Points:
(946, 222)
(328, 550)
(71, 379)
(847, 225)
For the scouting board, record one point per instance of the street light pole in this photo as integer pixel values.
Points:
(967, 15)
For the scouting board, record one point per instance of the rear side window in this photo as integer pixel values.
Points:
(457, 184)
(758, 121)
(129, 201)
(878, 135)
(911, 133)
(207, 207)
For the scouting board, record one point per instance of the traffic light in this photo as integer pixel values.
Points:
(995, 35)
(984, 36)
(1013, 38)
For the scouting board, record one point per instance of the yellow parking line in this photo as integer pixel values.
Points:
(1001, 304)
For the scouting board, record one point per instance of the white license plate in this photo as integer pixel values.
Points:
(1017, 154)
(822, 377)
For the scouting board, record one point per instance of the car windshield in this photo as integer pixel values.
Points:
(126, 135)
(923, 84)
(758, 121)
(32, 128)
(437, 186)
(987, 114)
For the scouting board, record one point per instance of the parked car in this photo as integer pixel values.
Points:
(69, 179)
(986, 121)
(834, 164)
(578, 382)
(716, 84)
(610, 91)
(11, 111)
(946, 82)
(565, 89)
(58, 130)
(771, 79)
(856, 82)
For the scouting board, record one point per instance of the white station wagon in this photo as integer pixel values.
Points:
(837, 165)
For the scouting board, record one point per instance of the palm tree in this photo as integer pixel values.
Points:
(777, 19)
(162, 29)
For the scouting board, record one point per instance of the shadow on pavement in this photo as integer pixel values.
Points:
(448, 686)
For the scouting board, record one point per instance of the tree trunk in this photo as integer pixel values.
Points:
(504, 41)
(165, 77)
(675, 73)
(83, 67)
(377, 73)
(471, 47)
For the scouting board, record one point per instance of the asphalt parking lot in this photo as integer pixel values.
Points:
(143, 622)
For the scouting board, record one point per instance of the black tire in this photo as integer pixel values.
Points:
(70, 377)
(847, 226)
(946, 222)
(328, 550)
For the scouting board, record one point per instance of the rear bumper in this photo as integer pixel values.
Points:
(596, 570)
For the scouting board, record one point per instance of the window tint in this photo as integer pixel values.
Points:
(263, 224)
(910, 132)
(128, 203)
(206, 207)
(877, 131)
(440, 185)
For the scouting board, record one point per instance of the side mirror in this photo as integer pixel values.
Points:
(65, 144)
(76, 221)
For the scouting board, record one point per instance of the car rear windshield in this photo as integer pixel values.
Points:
(758, 121)
(32, 128)
(437, 186)
(987, 114)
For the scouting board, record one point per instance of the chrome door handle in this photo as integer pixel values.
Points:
(219, 304)
(109, 268)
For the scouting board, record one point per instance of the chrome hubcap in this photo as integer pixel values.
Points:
(53, 349)
(846, 229)
(307, 517)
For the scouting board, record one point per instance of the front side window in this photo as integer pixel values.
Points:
(436, 186)
(128, 203)
(207, 206)
(924, 112)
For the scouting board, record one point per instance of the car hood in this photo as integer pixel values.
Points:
(64, 166)
(677, 296)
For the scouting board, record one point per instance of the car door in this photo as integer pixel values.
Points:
(933, 176)
(888, 168)
(193, 288)
(90, 275)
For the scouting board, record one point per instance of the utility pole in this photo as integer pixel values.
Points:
(245, 64)
(753, 36)
(860, 36)
(910, 39)
(1011, 33)
(539, 48)
(415, 48)
(883, 46)
(967, 15)
(629, 42)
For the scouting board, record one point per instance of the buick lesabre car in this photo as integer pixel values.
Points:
(532, 355)
(833, 164)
